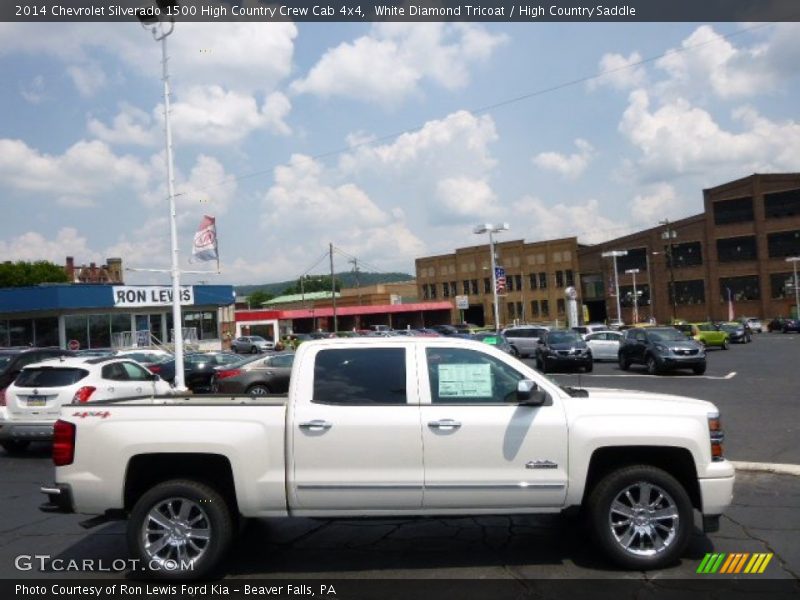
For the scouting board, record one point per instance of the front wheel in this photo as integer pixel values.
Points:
(724, 344)
(258, 390)
(588, 368)
(652, 365)
(180, 529)
(699, 369)
(641, 516)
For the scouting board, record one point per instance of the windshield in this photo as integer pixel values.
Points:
(666, 335)
(257, 338)
(706, 327)
(730, 326)
(4, 360)
(563, 337)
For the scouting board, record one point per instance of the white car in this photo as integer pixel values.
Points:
(35, 398)
(604, 344)
(755, 325)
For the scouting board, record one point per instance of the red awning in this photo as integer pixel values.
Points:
(344, 311)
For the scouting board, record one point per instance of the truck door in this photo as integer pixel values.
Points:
(483, 450)
(355, 431)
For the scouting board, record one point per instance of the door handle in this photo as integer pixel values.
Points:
(138, 389)
(316, 425)
(444, 424)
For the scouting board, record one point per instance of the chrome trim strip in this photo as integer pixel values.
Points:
(50, 491)
(522, 485)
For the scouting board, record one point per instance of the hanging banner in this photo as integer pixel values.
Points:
(500, 279)
(205, 240)
(127, 296)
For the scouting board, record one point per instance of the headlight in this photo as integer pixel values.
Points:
(662, 348)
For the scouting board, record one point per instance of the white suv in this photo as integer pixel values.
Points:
(34, 399)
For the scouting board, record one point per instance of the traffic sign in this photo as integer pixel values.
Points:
(74, 345)
(462, 302)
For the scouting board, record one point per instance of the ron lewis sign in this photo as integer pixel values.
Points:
(149, 295)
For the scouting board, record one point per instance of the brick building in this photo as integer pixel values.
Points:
(111, 272)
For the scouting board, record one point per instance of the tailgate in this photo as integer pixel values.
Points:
(39, 392)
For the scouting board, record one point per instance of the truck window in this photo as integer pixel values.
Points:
(360, 376)
(459, 376)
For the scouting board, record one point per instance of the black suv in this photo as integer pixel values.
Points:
(661, 349)
(563, 349)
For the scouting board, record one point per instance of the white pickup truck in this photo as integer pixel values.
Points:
(394, 427)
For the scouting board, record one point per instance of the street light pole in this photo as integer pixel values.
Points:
(794, 260)
(633, 272)
(491, 230)
(614, 254)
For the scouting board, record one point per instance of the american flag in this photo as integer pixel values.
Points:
(500, 278)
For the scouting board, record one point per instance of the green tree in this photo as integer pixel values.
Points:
(319, 283)
(22, 273)
(257, 298)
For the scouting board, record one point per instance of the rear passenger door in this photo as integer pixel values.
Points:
(355, 432)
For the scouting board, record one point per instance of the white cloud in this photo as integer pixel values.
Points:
(466, 198)
(88, 78)
(545, 221)
(34, 91)
(32, 246)
(567, 165)
(391, 62)
(678, 138)
(656, 202)
(75, 178)
(131, 126)
(620, 72)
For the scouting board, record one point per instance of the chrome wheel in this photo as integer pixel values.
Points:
(644, 519)
(258, 390)
(176, 531)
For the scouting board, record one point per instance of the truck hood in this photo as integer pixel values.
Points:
(604, 401)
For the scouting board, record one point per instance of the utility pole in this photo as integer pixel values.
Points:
(668, 235)
(354, 262)
(333, 290)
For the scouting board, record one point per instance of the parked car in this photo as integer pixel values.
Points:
(498, 340)
(616, 324)
(705, 333)
(585, 330)
(776, 324)
(34, 399)
(755, 325)
(257, 377)
(12, 360)
(604, 344)
(560, 348)
(146, 357)
(738, 333)
(445, 329)
(790, 325)
(661, 349)
(198, 368)
(524, 339)
(252, 344)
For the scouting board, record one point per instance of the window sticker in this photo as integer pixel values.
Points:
(465, 381)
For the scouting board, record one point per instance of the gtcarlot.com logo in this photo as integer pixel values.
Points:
(734, 562)
(45, 563)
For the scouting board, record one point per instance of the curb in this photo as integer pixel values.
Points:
(777, 468)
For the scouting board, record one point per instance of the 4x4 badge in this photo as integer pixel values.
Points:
(541, 464)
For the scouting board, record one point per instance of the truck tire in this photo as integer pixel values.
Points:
(641, 517)
(180, 529)
(15, 446)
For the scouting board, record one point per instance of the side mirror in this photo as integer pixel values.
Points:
(539, 341)
(529, 394)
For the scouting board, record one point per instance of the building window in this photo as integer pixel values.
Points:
(782, 204)
(690, 292)
(782, 285)
(433, 291)
(532, 277)
(520, 310)
(542, 281)
(425, 294)
(592, 286)
(20, 332)
(737, 249)
(76, 329)
(518, 282)
(510, 283)
(570, 277)
(739, 210)
(742, 288)
(465, 283)
(46, 331)
(626, 294)
(785, 243)
(561, 306)
(474, 285)
(636, 258)
(453, 289)
(545, 306)
(687, 254)
(559, 279)
(534, 309)
(445, 290)
(487, 285)
(99, 331)
(511, 311)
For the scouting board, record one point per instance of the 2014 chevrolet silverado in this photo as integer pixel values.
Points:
(394, 427)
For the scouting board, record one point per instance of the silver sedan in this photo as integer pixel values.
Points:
(604, 344)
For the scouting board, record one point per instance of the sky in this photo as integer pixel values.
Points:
(391, 140)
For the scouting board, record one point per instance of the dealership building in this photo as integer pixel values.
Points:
(104, 316)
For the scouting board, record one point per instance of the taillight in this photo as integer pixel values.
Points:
(63, 443)
(717, 436)
(225, 373)
(83, 394)
(154, 368)
(3, 397)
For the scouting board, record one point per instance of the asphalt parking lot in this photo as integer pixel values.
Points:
(760, 417)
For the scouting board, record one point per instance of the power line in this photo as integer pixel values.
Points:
(490, 107)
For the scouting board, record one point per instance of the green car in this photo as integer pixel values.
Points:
(708, 335)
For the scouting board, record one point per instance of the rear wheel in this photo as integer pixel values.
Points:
(15, 446)
(253, 350)
(641, 516)
(725, 344)
(180, 529)
(624, 364)
(589, 368)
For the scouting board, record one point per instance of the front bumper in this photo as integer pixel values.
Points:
(716, 488)
(568, 361)
(682, 362)
(32, 431)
